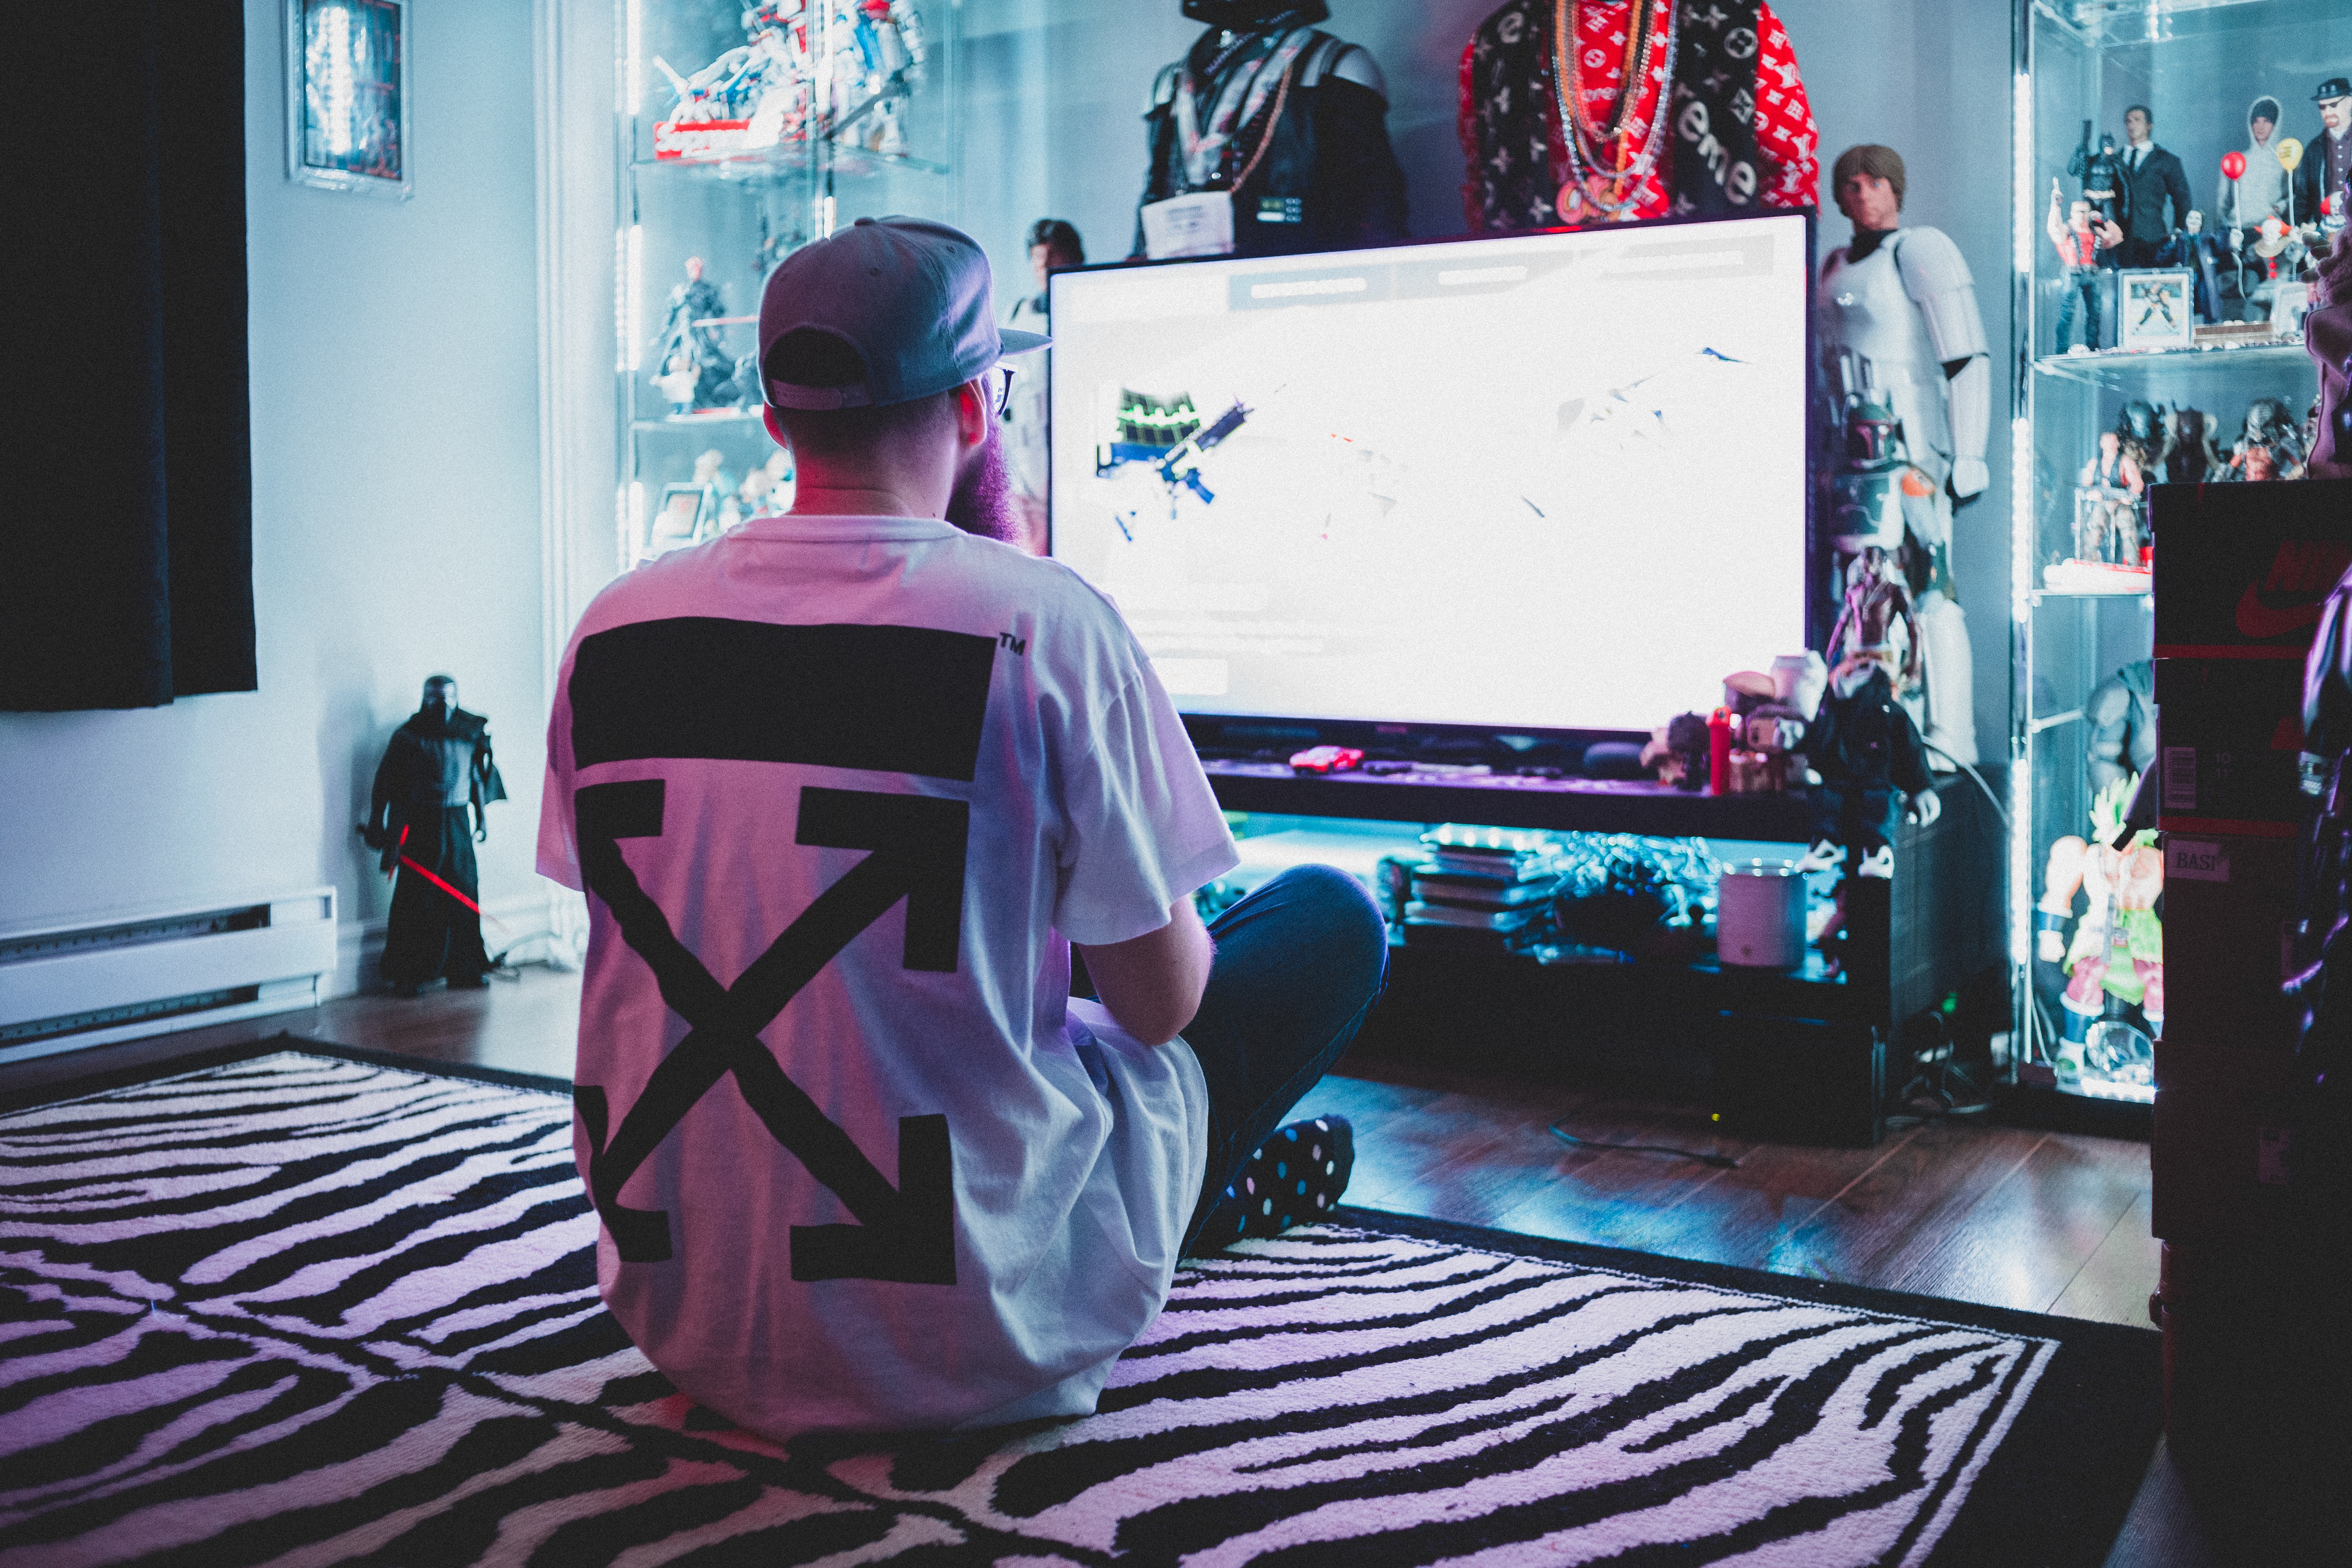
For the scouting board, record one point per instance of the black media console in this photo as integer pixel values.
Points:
(1797, 1054)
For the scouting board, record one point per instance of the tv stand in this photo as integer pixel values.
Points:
(1510, 800)
(1930, 929)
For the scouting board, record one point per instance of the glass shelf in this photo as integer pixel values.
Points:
(698, 420)
(2140, 370)
(2112, 23)
(2038, 596)
(788, 161)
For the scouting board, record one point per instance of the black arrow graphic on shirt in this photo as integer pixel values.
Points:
(905, 1233)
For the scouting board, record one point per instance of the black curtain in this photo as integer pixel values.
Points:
(126, 534)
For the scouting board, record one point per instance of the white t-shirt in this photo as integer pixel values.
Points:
(852, 785)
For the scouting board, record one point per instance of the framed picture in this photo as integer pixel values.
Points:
(680, 518)
(2155, 311)
(347, 95)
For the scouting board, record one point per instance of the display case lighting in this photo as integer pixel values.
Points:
(633, 75)
(633, 313)
(2021, 606)
(620, 302)
(2022, 194)
(2020, 518)
(2093, 1087)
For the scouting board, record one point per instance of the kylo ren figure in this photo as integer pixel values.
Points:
(436, 771)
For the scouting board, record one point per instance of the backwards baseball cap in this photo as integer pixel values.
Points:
(910, 301)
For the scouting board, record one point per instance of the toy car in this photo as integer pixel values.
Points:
(1326, 760)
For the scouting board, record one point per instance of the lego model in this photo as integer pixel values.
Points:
(1169, 436)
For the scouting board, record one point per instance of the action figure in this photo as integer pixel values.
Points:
(2139, 427)
(2200, 253)
(437, 768)
(1873, 763)
(2321, 1152)
(1769, 729)
(687, 342)
(767, 491)
(1872, 487)
(2114, 965)
(2327, 338)
(1896, 312)
(2324, 174)
(2106, 504)
(1054, 244)
(1679, 751)
(2258, 190)
(2152, 177)
(2121, 714)
(888, 36)
(1550, 136)
(2270, 447)
(2190, 455)
(753, 97)
(2102, 175)
(1267, 138)
(2086, 245)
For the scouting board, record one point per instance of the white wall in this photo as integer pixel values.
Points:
(1053, 125)
(396, 524)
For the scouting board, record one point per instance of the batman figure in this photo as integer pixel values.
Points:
(436, 771)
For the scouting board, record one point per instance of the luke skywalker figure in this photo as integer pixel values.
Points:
(1898, 314)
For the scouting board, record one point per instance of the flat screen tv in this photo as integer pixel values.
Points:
(1542, 482)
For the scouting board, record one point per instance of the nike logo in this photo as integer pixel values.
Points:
(2258, 620)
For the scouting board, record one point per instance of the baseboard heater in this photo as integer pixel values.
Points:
(65, 988)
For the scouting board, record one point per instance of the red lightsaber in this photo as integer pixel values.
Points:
(442, 885)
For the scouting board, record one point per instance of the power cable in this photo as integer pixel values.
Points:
(1722, 1161)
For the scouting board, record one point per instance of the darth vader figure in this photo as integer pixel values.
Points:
(425, 817)
(1268, 137)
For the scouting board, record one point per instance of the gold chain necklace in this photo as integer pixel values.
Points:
(1568, 76)
(1613, 182)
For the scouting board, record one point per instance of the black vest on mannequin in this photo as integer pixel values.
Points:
(1316, 171)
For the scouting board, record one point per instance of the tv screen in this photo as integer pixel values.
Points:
(1550, 482)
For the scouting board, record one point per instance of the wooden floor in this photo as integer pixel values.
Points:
(2044, 1221)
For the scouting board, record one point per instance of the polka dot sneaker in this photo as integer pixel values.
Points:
(1294, 1178)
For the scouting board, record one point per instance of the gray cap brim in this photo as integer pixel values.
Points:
(1015, 342)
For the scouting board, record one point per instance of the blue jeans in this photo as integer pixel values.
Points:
(1299, 964)
(2085, 297)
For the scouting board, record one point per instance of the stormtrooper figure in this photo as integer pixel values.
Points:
(1900, 329)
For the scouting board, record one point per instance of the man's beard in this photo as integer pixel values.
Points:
(983, 500)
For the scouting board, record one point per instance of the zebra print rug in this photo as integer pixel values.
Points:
(309, 1308)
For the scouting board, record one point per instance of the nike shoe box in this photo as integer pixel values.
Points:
(2242, 569)
(2229, 736)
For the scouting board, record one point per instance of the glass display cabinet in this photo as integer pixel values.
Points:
(746, 128)
(2174, 358)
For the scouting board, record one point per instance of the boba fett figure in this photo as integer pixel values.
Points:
(425, 816)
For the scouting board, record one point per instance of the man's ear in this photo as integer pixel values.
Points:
(973, 412)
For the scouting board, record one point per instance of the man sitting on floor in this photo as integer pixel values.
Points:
(843, 786)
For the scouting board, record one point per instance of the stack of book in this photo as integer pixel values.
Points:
(1480, 887)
